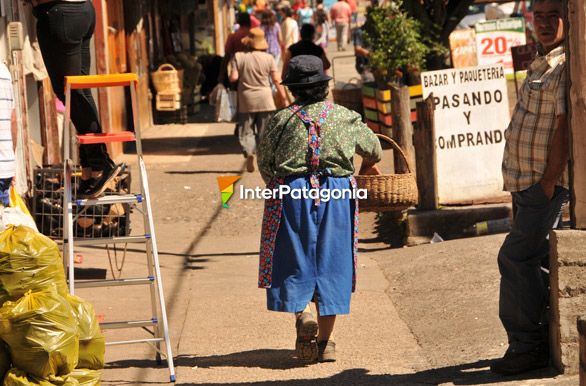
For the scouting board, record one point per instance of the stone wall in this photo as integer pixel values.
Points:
(568, 296)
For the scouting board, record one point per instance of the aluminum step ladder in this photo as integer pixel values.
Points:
(157, 325)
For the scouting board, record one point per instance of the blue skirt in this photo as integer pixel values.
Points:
(314, 251)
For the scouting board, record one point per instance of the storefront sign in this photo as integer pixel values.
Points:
(523, 56)
(471, 115)
(494, 39)
(463, 48)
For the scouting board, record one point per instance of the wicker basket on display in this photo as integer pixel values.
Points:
(349, 96)
(389, 192)
(166, 79)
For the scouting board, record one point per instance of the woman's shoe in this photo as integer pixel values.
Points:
(306, 343)
(101, 182)
(326, 351)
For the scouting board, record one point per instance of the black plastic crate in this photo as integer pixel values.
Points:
(105, 220)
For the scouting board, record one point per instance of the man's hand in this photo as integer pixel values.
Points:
(548, 188)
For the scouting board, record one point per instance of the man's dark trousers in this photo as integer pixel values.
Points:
(524, 292)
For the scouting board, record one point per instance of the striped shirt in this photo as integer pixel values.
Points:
(542, 99)
(7, 162)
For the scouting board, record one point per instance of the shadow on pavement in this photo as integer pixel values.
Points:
(216, 144)
(476, 373)
(181, 172)
(263, 358)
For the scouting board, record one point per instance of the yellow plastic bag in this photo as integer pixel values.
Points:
(28, 261)
(86, 377)
(40, 330)
(16, 377)
(15, 201)
(92, 345)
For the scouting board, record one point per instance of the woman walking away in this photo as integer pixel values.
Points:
(273, 34)
(305, 15)
(322, 28)
(308, 241)
(289, 28)
(253, 70)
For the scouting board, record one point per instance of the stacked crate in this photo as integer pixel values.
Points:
(377, 106)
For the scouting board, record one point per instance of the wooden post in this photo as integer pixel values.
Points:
(49, 129)
(402, 128)
(576, 52)
(582, 333)
(425, 154)
(218, 41)
(135, 15)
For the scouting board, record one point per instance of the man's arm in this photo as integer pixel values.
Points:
(286, 58)
(360, 51)
(558, 156)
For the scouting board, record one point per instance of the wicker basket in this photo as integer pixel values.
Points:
(349, 96)
(389, 192)
(166, 79)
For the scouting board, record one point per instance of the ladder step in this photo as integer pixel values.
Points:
(79, 241)
(148, 340)
(114, 282)
(95, 81)
(128, 324)
(123, 136)
(110, 199)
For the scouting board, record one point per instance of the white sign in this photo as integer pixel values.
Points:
(471, 115)
(494, 39)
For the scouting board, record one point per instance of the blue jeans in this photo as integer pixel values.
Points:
(524, 293)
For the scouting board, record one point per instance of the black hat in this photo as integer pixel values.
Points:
(305, 70)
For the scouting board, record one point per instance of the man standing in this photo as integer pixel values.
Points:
(7, 135)
(305, 46)
(341, 14)
(534, 170)
(253, 70)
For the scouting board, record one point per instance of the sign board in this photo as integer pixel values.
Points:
(523, 56)
(471, 115)
(463, 48)
(494, 39)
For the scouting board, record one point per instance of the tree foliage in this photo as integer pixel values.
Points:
(395, 43)
(438, 18)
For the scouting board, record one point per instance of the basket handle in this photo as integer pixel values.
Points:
(396, 146)
(166, 66)
(353, 83)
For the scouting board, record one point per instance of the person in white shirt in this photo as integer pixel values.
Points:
(7, 158)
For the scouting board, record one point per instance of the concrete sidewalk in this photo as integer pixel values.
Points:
(423, 315)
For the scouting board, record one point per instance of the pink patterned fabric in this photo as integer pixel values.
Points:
(313, 141)
(274, 207)
(270, 226)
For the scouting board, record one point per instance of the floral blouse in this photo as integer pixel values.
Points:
(283, 148)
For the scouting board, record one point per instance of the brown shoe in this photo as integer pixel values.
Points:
(250, 163)
(326, 351)
(306, 343)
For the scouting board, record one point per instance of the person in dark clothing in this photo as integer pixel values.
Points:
(305, 46)
(64, 30)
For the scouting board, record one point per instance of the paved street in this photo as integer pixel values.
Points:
(422, 315)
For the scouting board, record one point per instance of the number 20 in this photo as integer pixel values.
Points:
(500, 46)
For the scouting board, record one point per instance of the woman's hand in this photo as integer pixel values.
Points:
(369, 170)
